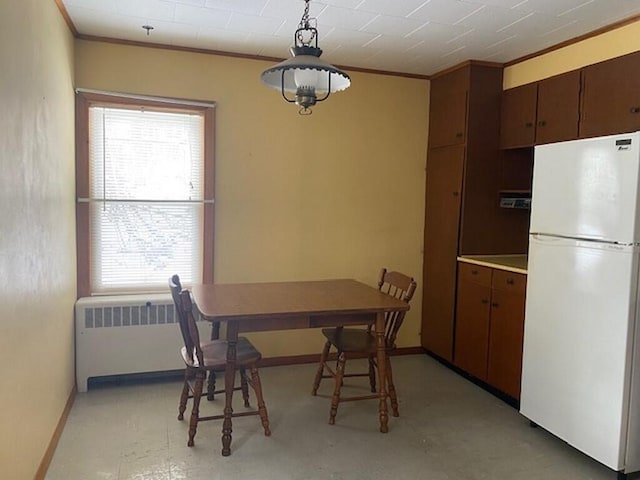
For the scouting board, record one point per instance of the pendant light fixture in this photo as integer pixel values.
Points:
(310, 79)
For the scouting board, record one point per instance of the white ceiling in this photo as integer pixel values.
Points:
(408, 36)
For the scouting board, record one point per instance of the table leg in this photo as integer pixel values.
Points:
(229, 383)
(382, 372)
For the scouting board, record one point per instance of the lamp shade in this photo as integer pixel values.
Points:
(293, 73)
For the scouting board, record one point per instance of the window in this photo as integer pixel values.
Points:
(145, 190)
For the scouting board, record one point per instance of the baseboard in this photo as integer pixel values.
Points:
(315, 357)
(57, 433)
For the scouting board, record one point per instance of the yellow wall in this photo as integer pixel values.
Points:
(336, 194)
(608, 45)
(37, 225)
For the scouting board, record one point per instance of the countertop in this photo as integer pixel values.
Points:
(511, 263)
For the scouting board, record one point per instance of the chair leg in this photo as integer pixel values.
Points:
(195, 412)
(262, 408)
(184, 396)
(335, 400)
(344, 367)
(372, 374)
(211, 386)
(320, 372)
(391, 389)
(244, 386)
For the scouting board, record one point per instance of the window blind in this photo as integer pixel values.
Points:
(146, 171)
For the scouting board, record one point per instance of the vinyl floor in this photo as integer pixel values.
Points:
(448, 429)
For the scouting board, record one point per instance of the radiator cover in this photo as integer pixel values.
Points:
(124, 334)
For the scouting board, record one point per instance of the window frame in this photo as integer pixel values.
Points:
(84, 100)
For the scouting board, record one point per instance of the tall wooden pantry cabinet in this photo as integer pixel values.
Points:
(463, 177)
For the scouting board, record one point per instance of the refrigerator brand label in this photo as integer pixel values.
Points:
(624, 144)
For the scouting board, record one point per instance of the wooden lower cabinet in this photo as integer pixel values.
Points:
(473, 313)
(504, 366)
(490, 326)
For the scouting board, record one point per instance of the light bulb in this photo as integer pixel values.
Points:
(307, 77)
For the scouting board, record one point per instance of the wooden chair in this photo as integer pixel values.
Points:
(176, 287)
(202, 358)
(358, 343)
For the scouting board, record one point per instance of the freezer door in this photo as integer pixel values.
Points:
(587, 188)
(579, 322)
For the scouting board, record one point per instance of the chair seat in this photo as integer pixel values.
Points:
(351, 339)
(214, 354)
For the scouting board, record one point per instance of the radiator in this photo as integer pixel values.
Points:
(124, 334)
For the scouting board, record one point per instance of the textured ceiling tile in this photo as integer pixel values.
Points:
(253, 24)
(345, 17)
(396, 26)
(150, 9)
(202, 17)
(351, 38)
(395, 8)
(444, 11)
(535, 24)
(249, 7)
(491, 19)
(423, 35)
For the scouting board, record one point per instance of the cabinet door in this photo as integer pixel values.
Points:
(518, 120)
(448, 109)
(472, 320)
(506, 335)
(558, 108)
(611, 97)
(442, 219)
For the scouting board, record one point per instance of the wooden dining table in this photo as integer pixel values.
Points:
(255, 307)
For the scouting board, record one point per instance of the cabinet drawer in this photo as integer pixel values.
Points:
(474, 273)
(504, 280)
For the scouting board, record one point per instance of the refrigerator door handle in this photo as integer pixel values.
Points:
(550, 238)
(543, 237)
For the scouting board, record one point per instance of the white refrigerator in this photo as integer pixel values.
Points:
(581, 370)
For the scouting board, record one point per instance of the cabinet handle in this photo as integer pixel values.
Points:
(542, 123)
(494, 304)
(528, 124)
(634, 110)
(474, 272)
(455, 194)
(459, 135)
(510, 281)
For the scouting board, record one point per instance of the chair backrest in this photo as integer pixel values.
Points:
(176, 288)
(397, 285)
(186, 319)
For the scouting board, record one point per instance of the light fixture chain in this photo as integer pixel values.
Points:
(304, 21)
(305, 26)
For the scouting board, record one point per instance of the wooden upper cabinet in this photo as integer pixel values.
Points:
(541, 112)
(448, 109)
(611, 97)
(558, 112)
(518, 121)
